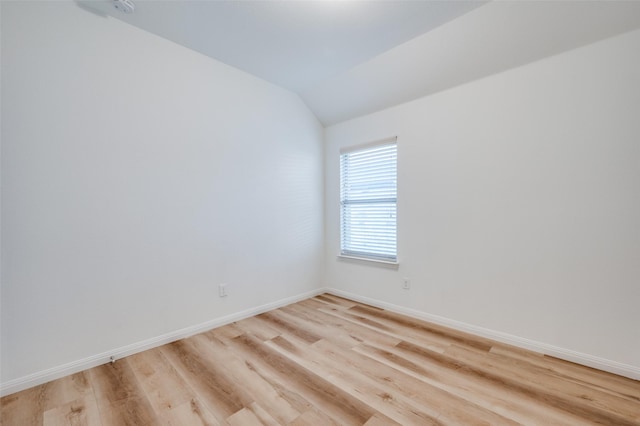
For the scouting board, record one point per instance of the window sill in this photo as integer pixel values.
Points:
(364, 260)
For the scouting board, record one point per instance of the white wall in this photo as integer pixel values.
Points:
(137, 175)
(518, 202)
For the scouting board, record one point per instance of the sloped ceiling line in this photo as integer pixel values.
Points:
(350, 58)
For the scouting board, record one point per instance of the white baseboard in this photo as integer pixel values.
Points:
(562, 353)
(45, 376)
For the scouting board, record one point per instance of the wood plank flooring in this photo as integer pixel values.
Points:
(331, 361)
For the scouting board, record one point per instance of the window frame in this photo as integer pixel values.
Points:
(363, 255)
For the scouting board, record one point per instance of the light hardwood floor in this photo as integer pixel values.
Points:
(325, 361)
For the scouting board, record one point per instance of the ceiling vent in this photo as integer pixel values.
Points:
(124, 6)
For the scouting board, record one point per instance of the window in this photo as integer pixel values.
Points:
(368, 192)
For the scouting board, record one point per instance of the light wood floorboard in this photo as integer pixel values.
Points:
(331, 361)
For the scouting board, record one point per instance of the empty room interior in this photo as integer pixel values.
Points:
(320, 212)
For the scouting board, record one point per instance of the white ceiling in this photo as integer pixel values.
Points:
(294, 44)
(493, 38)
(348, 58)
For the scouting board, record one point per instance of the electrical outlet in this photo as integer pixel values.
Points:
(222, 290)
(406, 283)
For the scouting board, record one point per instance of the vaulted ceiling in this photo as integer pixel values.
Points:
(348, 58)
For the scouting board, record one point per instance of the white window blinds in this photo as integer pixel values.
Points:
(368, 192)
